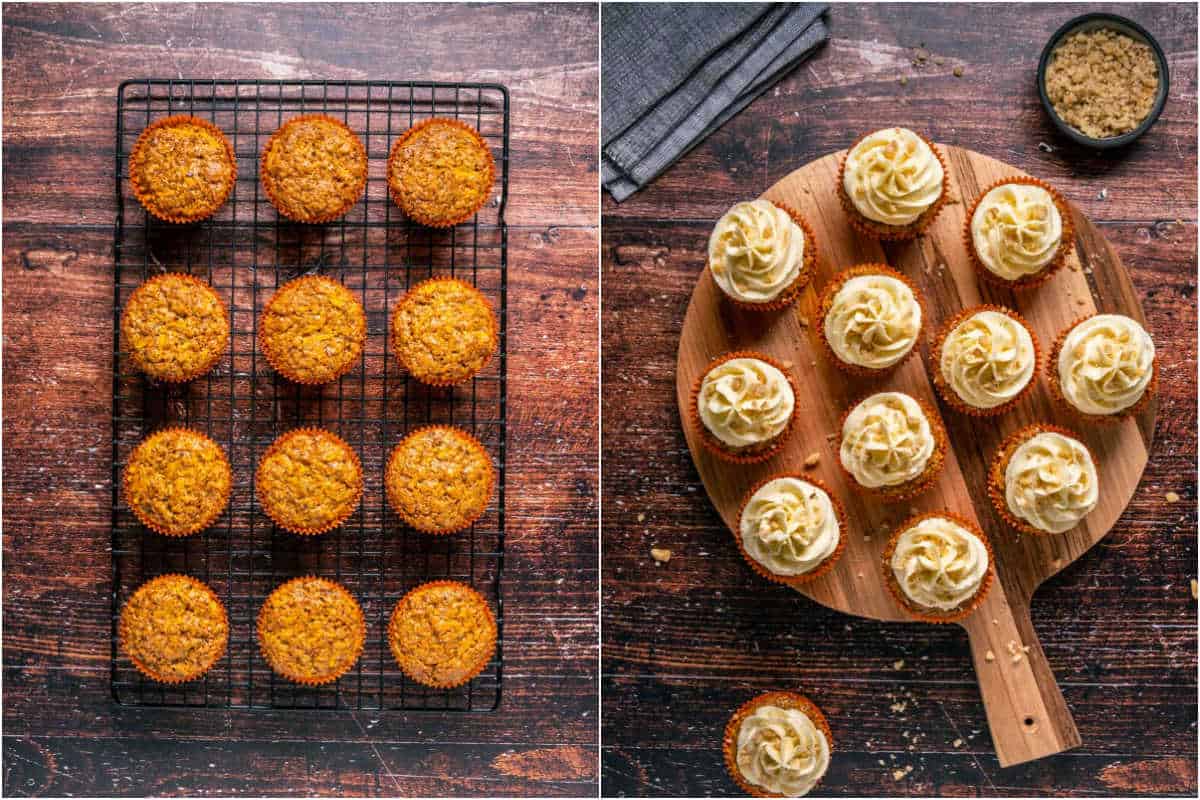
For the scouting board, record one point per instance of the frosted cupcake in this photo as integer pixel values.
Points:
(892, 446)
(892, 184)
(743, 406)
(985, 359)
(1103, 368)
(761, 254)
(777, 745)
(1018, 233)
(1043, 480)
(791, 529)
(938, 566)
(870, 319)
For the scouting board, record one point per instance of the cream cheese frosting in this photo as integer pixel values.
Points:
(1050, 482)
(782, 751)
(1105, 364)
(988, 358)
(939, 564)
(873, 321)
(886, 440)
(755, 251)
(1016, 230)
(892, 176)
(790, 526)
(745, 402)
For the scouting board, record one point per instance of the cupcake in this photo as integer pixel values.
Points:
(870, 319)
(312, 330)
(182, 169)
(743, 407)
(439, 479)
(313, 168)
(893, 446)
(177, 481)
(985, 359)
(791, 529)
(1103, 368)
(309, 481)
(892, 183)
(1043, 480)
(1018, 233)
(444, 331)
(777, 745)
(761, 254)
(440, 172)
(173, 629)
(938, 566)
(442, 634)
(311, 631)
(175, 327)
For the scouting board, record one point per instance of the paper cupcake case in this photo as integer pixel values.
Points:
(921, 613)
(947, 393)
(878, 230)
(825, 566)
(997, 485)
(305, 680)
(152, 524)
(716, 446)
(469, 673)
(448, 222)
(825, 304)
(780, 699)
(1101, 419)
(399, 351)
(1065, 247)
(145, 669)
(264, 502)
(911, 488)
(140, 192)
(792, 293)
(360, 152)
(462, 436)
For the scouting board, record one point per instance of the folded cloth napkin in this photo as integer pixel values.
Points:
(674, 73)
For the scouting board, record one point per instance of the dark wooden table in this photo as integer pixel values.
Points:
(686, 643)
(62, 734)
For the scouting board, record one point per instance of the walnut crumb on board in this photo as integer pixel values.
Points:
(661, 555)
(898, 665)
(958, 72)
(903, 80)
(1172, 497)
(958, 742)
(641, 517)
(989, 656)
(1194, 596)
(813, 459)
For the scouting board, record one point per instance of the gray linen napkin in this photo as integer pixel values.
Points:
(674, 73)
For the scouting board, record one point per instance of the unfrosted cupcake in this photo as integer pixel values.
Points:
(439, 479)
(314, 168)
(1103, 368)
(870, 319)
(761, 254)
(1018, 233)
(791, 529)
(175, 327)
(173, 628)
(1043, 480)
(777, 745)
(442, 634)
(311, 630)
(892, 446)
(985, 359)
(742, 405)
(309, 481)
(938, 566)
(892, 184)
(440, 172)
(444, 331)
(313, 330)
(177, 481)
(182, 169)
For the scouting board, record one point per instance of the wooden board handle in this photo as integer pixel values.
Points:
(1026, 711)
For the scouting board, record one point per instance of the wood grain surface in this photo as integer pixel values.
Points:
(686, 642)
(62, 734)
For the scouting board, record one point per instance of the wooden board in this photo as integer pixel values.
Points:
(1026, 712)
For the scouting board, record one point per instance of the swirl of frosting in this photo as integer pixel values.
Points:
(1105, 364)
(790, 526)
(745, 401)
(1051, 482)
(1016, 230)
(873, 321)
(988, 359)
(755, 251)
(892, 176)
(886, 440)
(939, 563)
(781, 750)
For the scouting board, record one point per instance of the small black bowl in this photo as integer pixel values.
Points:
(1086, 22)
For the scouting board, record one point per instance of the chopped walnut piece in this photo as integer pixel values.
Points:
(812, 460)
(661, 555)
(1102, 82)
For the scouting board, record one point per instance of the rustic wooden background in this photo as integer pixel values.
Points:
(62, 735)
(686, 643)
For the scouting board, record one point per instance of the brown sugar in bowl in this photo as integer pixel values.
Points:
(439, 479)
(175, 327)
(173, 629)
(444, 331)
(177, 481)
(442, 634)
(182, 169)
(440, 172)
(313, 168)
(311, 630)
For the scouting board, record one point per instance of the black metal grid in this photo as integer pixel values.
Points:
(245, 251)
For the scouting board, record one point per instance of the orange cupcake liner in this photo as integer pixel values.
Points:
(180, 119)
(822, 568)
(199, 371)
(147, 670)
(429, 221)
(792, 293)
(825, 304)
(790, 700)
(933, 615)
(151, 524)
(947, 393)
(910, 488)
(999, 466)
(263, 501)
(460, 434)
(1102, 419)
(470, 674)
(304, 679)
(268, 187)
(425, 379)
(274, 358)
(1066, 245)
(881, 231)
(751, 455)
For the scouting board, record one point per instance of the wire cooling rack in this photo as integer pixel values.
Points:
(245, 251)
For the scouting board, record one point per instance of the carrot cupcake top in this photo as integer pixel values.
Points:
(440, 172)
(313, 329)
(439, 479)
(1051, 482)
(1016, 230)
(314, 168)
(781, 750)
(442, 634)
(173, 628)
(182, 169)
(1105, 364)
(988, 359)
(175, 326)
(939, 564)
(177, 481)
(755, 251)
(886, 440)
(444, 331)
(873, 320)
(789, 526)
(892, 176)
(309, 481)
(744, 402)
(311, 630)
